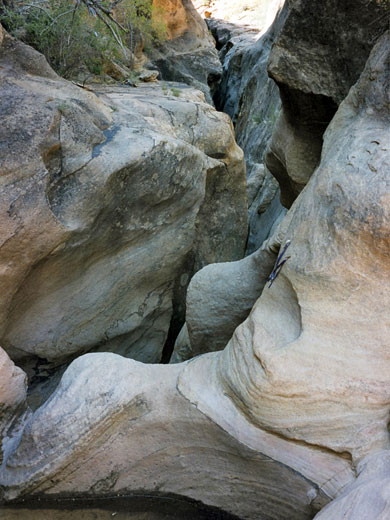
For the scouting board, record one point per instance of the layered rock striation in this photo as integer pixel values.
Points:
(291, 418)
(296, 407)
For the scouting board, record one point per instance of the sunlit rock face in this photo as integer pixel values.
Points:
(319, 54)
(188, 55)
(250, 13)
(108, 201)
(311, 362)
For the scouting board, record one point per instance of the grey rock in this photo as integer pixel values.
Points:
(13, 387)
(317, 57)
(188, 55)
(112, 194)
(219, 298)
(368, 497)
(252, 100)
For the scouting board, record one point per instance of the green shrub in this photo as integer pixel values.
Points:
(72, 34)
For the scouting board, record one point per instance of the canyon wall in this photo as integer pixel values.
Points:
(291, 419)
(114, 201)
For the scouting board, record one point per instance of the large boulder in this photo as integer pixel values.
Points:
(219, 298)
(317, 57)
(311, 362)
(188, 54)
(115, 426)
(108, 201)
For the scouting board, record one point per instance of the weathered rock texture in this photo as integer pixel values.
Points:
(252, 100)
(13, 385)
(274, 425)
(104, 210)
(311, 363)
(123, 426)
(368, 498)
(189, 54)
(318, 56)
(219, 298)
(295, 138)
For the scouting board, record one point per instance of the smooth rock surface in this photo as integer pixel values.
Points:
(118, 426)
(13, 386)
(311, 362)
(219, 298)
(113, 192)
(368, 498)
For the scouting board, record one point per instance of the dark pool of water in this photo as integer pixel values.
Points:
(118, 508)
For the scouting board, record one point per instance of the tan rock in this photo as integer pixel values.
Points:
(274, 425)
(103, 208)
(314, 70)
(116, 71)
(118, 426)
(188, 55)
(368, 498)
(149, 75)
(13, 385)
(311, 361)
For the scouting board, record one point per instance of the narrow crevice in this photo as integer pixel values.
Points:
(178, 307)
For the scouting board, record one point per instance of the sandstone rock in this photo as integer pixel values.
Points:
(219, 298)
(116, 71)
(318, 55)
(13, 384)
(274, 425)
(367, 498)
(311, 362)
(182, 349)
(189, 54)
(115, 426)
(252, 100)
(102, 209)
(149, 75)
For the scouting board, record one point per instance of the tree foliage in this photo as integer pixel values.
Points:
(71, 33)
